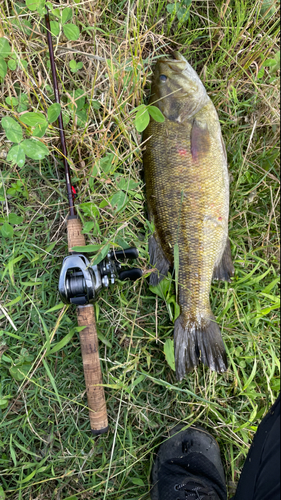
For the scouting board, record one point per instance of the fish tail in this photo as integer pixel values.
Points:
(198, 341)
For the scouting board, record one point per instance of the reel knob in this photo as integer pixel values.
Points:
(130, 274)
(127, 253)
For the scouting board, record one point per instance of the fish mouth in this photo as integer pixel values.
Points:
(176, 62)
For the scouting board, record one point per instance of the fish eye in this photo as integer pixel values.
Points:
(162, 78)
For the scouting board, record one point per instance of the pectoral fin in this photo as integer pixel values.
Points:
(158, 260)
(200, 141)
(224, 269)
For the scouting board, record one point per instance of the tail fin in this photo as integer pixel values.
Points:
(198, 342)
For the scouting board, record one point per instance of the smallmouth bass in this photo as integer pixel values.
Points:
(187, 191)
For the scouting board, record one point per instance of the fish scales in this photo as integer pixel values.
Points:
(187, 190)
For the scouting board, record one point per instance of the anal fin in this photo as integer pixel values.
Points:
(158, 260)
(224, 269)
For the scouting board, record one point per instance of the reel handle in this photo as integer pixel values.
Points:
(89, 345)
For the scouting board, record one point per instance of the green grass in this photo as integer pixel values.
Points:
(46, 448)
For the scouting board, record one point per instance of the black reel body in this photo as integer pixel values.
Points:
(79, 282)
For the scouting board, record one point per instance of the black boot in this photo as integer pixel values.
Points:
(188, 467)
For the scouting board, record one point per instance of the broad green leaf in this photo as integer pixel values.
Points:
(127, 185)
(5, 47)
(23, 103)
(39, 130)
(173, 7)
(54, 112)
(107, 163)
(103, 253)
(172, 300)
(274, 64)
(19, 8)
(270, 62)
(3, 404)
(139, 108)
(79, 98)
(55, 28)
(33, 118)
(65, 117)
(12, 65)
(66, 15)
(156, 114)
(23, 63)
(162, 288)
(16, 155)
(96, 104)
(36, 5)
(123, 184)
(118, 200)
(183, 14)
(89, 209)
(15, 219)
(12, 101)
(268, 6)
(72, 64)
(3, 68)
(81, 117)
(56, 12)
(103, 203)
(71, 31)
(3, 495)
(137, 481)
(141, 120)
(88, 226)
(62, 342)
(169, 353)
(23, 25)
(35, 150)
(87, 248)
(12, 129)
(274, 384)
(20, 370)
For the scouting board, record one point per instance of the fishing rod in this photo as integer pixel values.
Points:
(80, 282)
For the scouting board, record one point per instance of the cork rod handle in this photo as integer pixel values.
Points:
(92, 369)
(74, 233)
(89, 345)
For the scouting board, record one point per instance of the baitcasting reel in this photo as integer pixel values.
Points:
(79, 282)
